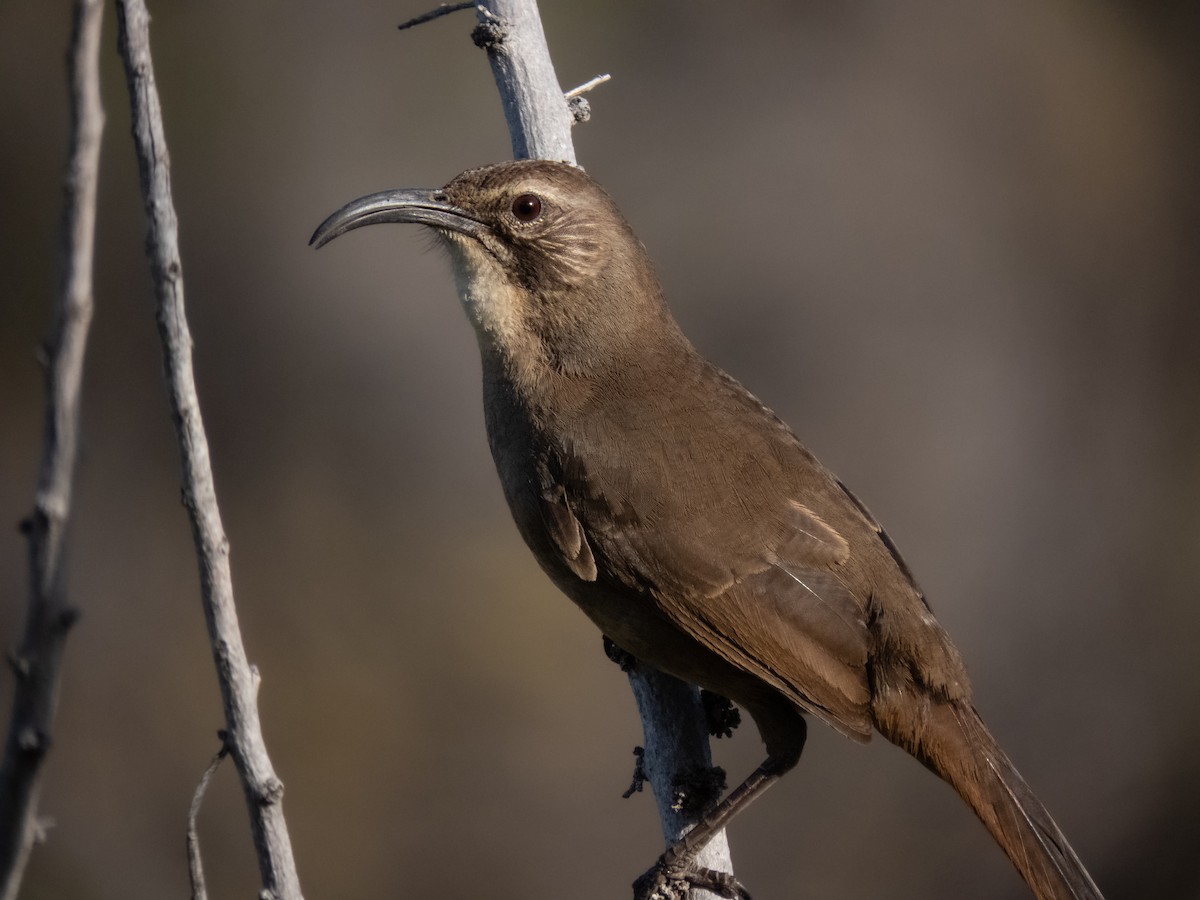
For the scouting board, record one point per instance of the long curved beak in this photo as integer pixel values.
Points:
(422, 205)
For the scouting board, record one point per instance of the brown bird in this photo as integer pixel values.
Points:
(685, 519)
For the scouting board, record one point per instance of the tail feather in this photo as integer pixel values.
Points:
(953, 741)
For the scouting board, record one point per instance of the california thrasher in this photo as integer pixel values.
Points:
(685, 519)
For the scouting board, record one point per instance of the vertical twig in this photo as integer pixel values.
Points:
(539, 121)
(238, 680)
(49, 616)
(195, 864)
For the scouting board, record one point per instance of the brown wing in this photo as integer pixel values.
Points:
(566, 533)
(759, 578)
(789, 618)
(695, 497)
(706, 502)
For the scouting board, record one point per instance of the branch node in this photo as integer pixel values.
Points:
(661, 883)
(490, 33)
(697, 789)
(639, 773)
(581, 110)
(272, 792)
(722, 716)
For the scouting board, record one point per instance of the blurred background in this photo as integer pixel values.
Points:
(954, 245)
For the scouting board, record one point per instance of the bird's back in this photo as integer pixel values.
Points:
(688, 493)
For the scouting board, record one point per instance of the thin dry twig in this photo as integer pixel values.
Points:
(444, 10)
(263, 789)
(195, 865)
(37, 665)
(587, 86)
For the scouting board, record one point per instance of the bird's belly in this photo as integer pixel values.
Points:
(635, 623)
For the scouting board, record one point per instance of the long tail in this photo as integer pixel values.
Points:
(953, 741)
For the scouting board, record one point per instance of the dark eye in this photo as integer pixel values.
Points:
(527, 207)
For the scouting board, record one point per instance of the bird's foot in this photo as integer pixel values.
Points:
(675, 881)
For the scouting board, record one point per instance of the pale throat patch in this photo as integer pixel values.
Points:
(493, 304)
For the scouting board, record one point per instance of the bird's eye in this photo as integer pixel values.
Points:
(527, 207)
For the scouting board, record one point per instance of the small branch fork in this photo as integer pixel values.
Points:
(37, 665)
(238, 680)
(493, 34)
(195, 865)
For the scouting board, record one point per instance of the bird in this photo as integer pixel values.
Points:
(686, 520)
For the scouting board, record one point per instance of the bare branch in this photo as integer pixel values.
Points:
(539, 122)
(49, 617)
(262, 788)
(195, 864)
(676, 730)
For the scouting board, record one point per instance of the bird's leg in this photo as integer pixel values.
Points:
(676, 872)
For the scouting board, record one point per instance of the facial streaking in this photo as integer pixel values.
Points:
(546, 267)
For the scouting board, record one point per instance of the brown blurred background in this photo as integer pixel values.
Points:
(955, 245)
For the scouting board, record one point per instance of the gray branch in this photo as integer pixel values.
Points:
(38, 663)
(238, 679)
(539, 121)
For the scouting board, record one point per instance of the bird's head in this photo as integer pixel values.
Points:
(548, 269)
